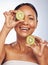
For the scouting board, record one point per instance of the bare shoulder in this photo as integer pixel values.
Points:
(9, 46)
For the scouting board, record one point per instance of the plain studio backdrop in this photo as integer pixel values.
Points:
(42, 9)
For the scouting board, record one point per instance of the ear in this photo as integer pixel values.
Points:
(36, 23)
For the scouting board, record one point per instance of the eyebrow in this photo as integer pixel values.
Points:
(30, 15)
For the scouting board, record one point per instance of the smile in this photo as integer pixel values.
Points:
(24, 28)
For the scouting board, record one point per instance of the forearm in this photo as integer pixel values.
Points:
(3, 35)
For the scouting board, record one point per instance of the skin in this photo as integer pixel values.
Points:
(19, 50)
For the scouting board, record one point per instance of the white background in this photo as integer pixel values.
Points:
(42, 8)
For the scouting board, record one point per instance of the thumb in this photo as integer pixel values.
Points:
(16, 22)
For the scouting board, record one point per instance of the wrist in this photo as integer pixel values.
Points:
(6, 28)
(42, 61)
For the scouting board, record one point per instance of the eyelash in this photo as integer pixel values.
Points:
(31, 18)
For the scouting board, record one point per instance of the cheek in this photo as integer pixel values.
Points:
(33, 24)
(16, 28)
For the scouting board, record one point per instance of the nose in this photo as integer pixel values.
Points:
(26, 20)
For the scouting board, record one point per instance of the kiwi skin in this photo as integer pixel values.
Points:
(30, 38)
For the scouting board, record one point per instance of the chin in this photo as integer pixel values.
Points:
(24, 35)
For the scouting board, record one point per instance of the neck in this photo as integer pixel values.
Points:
(21, 41)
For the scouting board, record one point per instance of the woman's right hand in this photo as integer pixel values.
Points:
(10, 21)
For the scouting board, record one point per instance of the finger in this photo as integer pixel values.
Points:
(42, 49)
(5, 13)
(20, 21)
(38, 40)
(28, 45)
(36, 50)
(16, 22)
(46, 43)
(13, 11)
(33, 48)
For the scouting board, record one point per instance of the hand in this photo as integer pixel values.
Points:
(38, 49)
(10, 21)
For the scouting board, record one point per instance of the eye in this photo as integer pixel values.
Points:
(31, 18)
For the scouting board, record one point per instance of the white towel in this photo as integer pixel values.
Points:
(16, 62)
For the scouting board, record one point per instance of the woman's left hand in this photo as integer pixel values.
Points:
(38, 50)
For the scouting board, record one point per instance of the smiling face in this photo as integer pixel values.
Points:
(29, 24)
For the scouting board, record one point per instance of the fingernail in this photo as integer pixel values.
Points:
(47, 45)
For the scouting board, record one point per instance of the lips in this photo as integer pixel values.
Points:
(24, 28)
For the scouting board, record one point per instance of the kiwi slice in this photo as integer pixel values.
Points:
(19, 15)
(30, 40)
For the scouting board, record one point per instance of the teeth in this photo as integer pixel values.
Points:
(24, 28)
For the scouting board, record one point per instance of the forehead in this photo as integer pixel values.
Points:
(27, 10)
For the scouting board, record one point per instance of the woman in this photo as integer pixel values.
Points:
(19, 51)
